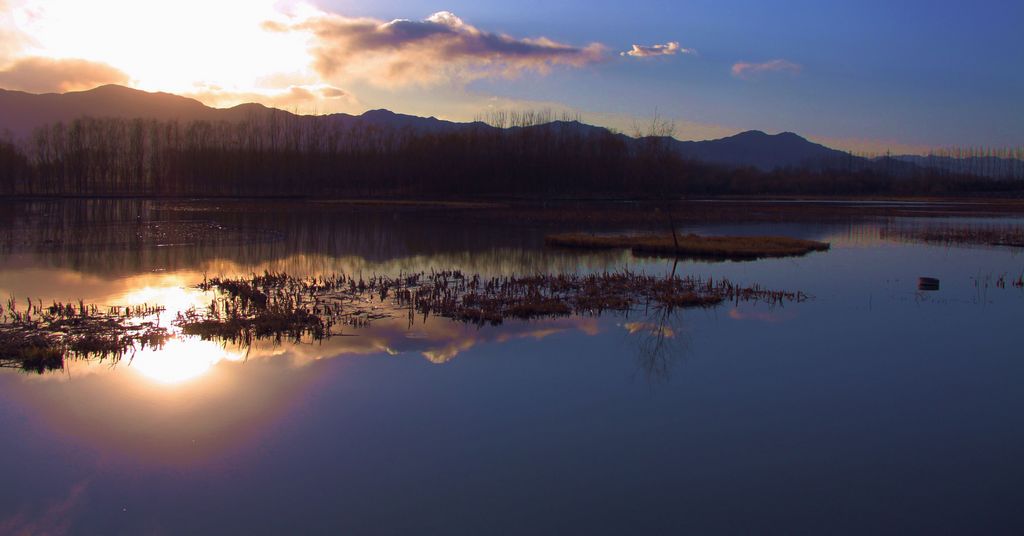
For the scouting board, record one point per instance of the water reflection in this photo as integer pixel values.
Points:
(661, 340)
(118, 238)
(55, 518)
(605, 425)
(194, 399)
(180, 360)
(185, 358)
(143, 253)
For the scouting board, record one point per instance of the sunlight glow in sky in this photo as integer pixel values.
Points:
(174, 47)
(861, 75)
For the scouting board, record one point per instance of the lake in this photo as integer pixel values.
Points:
(873, 407)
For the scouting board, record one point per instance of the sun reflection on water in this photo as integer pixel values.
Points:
(181, 360)
(170, 294)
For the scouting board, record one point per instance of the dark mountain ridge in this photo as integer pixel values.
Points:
(21, 113)
(763, 151)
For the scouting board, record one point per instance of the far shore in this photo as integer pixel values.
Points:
(482, 202)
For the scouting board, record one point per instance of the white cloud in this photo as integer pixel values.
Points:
(668, 49)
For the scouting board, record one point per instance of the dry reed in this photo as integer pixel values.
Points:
(280, 306)
(40, 338)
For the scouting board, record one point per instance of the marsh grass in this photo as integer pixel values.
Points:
(1001, 281)
(38, 338)
(1005, 236)
(280, 306)
(691, 245)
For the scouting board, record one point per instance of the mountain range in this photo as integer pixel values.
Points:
(21, 113)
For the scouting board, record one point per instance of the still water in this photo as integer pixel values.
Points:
(872, 408)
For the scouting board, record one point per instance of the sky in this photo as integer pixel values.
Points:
(865, 76)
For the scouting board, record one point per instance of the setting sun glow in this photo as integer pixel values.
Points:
(186, 46)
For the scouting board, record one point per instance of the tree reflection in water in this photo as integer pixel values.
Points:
(661, 341)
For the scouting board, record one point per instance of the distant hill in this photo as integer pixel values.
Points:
(763, 151)
(21, 113)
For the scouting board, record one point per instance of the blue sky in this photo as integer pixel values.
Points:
(915, 72)
(859, 75)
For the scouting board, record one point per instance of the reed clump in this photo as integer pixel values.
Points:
(1003, 281)
(279, 306)
(38, 338)
(1006, 236)
(692, 245)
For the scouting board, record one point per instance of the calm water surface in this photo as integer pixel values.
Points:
(873, 408)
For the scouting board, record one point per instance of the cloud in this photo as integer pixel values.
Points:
(668, 49)
(312, 98)
(333, 93)
(442, 48)
(747, 70)
(12, 39)
(47, 75)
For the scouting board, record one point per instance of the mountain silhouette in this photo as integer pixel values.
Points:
(763, 151)
(22, 112)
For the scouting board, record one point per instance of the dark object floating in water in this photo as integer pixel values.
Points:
(928, 284)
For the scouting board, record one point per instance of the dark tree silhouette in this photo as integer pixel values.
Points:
(523, 155)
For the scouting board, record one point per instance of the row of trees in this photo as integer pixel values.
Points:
(1005, 163)
(279, 154)
(287, 155)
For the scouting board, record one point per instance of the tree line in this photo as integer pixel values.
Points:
(279, 154)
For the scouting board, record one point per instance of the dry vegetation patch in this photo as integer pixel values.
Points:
(38, 338)
(277, 304)
(282, 307)
(1007, 236)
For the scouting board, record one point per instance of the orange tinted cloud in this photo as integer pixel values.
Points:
(47, 75)
(441, 48)
(315, 98)
(747, 70)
